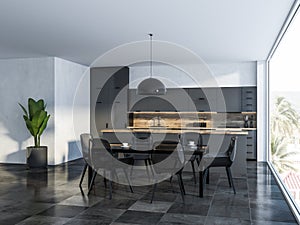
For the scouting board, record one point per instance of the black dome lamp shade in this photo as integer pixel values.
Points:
(151, 86)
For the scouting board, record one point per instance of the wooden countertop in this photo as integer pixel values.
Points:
(230, 131)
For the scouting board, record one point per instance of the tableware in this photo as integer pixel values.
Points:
(191, 143)
(125, 145)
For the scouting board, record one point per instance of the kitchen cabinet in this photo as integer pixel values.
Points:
(232, 99)
(174, 100)
(251, 145)
(203, 99)
(249, 99)
(108, 97)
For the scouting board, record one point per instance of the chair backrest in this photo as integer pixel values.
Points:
(106, 145)
(142, 141)
(85, 140)
(191, 136)
(231, 151)
(177, 160)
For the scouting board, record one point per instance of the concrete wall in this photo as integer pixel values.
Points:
(67, 78)
(218, 74)
(21, 79)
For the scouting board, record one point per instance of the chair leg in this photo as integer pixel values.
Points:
(150, 165)
(228, 176)
(92, 182)
(181, 181)
(182, 191)
(110, 184)
(231, 180)
(194, 172)
(82, 176)
(127, 178)
(147, 169)
(153, 191)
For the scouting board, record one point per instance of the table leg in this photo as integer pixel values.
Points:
(201, 184)
(207, 176)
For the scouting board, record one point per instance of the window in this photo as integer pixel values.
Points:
(284, 110)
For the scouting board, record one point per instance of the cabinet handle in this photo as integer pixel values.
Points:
(249, 98)
(201, 98)
(117, 101)
(248, 92)
(248, 104)
(99, 102)
(249, 137)
(117, 87)
(249, 145)
(249, 152)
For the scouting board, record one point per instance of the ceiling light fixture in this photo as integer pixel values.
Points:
(151, 86)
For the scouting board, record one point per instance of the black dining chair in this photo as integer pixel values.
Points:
(106, 164)
(223, 159)
(142, 141)
(168, 164)
(85, 140)
(188, 137)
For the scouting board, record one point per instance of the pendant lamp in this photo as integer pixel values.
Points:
(151, 86)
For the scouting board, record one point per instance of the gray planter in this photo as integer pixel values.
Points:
(37, 157)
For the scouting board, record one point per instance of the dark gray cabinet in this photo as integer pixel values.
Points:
(203, 99)
(174, 100)
(109, 87)
(229, 99)
(251, 145)
(249, 100)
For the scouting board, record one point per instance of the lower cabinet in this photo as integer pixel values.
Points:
(251, 145)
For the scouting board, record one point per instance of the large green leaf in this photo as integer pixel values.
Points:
(44, 125)
(34, 107)
(24, 110)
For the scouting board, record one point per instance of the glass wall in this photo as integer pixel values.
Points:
(284, 111)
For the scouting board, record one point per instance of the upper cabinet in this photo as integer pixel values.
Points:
(249, 100)
(229, 99)
(203, 99)
(225, 99)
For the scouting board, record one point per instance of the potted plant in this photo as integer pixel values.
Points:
(36, 119)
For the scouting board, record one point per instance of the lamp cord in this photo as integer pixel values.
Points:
(151, 69)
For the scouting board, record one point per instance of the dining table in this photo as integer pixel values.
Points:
(188, 150)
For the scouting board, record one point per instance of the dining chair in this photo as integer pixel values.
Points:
(188, 137)
(223, 159)
(85, 140)
(106, 164)
(142, 141)
(168, 164)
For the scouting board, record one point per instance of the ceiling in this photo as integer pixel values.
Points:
(82, 30)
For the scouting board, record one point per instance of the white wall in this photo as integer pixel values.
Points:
(221, 74)
(21, 79)
(262, 111)
(67, 78)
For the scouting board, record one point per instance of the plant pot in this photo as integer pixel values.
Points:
(37, 157)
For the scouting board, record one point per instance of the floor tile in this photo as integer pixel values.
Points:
(137, 217)
(187, 208)
(188, 219)
(44, 220)
(213, 220)
(155, 206)
(229, 211)
(81, 200)
(63, 211)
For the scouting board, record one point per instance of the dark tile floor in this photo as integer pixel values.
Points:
(52, 196)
